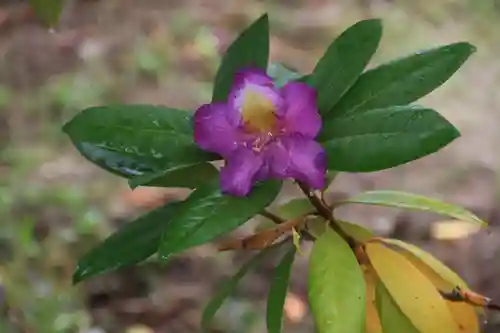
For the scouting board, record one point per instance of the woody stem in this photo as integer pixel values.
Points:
(325, 212)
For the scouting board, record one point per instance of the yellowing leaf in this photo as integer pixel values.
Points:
(336, 287)
(465, 315)
(417, 202)
(372, 319)
(411, 290)
(412, 251)
(391, 316)
(356, 231)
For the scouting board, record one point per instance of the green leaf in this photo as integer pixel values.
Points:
(229, 286)
(359, 233)
(191, 176)
(251, 48)
(391, 316)
(134, 242)
(337, 291)
(207, 214)
(282, 74)
(295, 208)
(416, 202)
(384, 138)
(343, 62)
(277, 292)
(404, 80)
(48, 11)
(133, 140)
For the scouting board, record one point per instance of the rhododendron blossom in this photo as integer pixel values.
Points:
(263, 132)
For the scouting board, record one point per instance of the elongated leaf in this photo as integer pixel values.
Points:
(412, 292)
(391, 316)
(404, 80)
(373, 324)
(384, 138)
(445, 280)
(451, 279)
(229, 286)
(343, 62)
(191, 176)
(207, 214)
(251, 48)
(416, 202)
(359, 233)
(133, 140)
(282, 74)
(277, 292)
(48, 11)
(133, 243)
(295, 208)
(337, 291)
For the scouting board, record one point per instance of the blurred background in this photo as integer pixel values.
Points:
(54, 205)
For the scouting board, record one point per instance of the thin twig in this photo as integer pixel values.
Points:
(273, 217)
(325, 212)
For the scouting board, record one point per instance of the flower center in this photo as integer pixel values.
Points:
(258, 112)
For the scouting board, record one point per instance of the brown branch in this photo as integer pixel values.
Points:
(325, 212)
(273, 217)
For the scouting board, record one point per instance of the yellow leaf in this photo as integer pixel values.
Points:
(411, 290)
(465, 315)
(450, 278)
(372, 319)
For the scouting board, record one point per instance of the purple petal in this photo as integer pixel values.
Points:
(240, 172)
(299, 112)
(255, 80)
(216, 128)
(299, 158)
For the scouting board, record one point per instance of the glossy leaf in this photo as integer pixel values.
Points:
(282, 74)
(278, 291)
(416, 202)
(384, 138)
(229, 286)
(251, 48)
(134, 242)
(48, 11)
(414, 253)
(443, 279)
(412, 292)
(337, 291)
(405, 80)
(391, 316)
(133, 140)
(190, 176)
(207, 214)
(343, 62)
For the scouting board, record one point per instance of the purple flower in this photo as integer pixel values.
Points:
(263, 132)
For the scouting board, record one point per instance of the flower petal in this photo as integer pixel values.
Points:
(299, 158)
(216, 128)
(241, 171)
(254, 80)
(299, 112)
